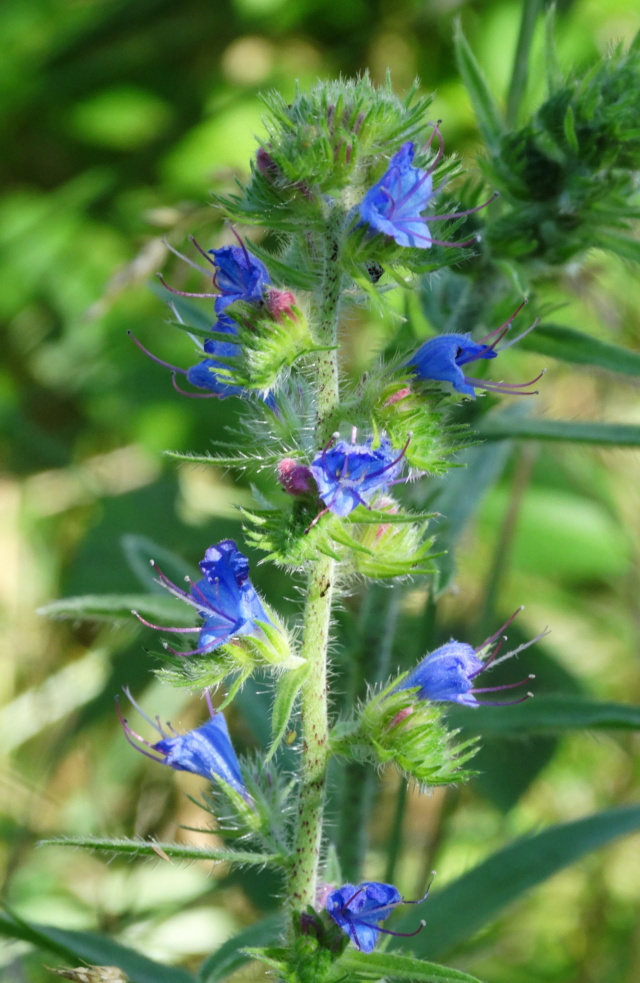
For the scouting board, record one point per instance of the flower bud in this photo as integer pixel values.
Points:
(295, 478)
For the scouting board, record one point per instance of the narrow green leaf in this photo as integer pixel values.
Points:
(118, 607)
(230, 956)
(92, 948)
(485, 106)
(569, 127)
(573, 346)
(501, 427)
(530, 11)
(454, 913)
(394, 967)
(553, 712)
(137, 847)
(287, 689)
(621, 245)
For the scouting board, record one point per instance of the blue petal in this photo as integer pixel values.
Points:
(394, 205)
(349, 474)
(205, 751)
(446, 674)
(440, 359)
(230, 604)
(240, 276)
(357, 910)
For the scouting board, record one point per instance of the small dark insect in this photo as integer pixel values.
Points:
(374, 270)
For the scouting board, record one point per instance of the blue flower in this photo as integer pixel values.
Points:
(351, 474)
(239, 276)
(205, 751)
(206, 374)
(442, 358)
(448, 674)
(394, 205)
(357, 910)
(224, 597)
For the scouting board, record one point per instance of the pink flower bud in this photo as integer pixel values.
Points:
(279, 303)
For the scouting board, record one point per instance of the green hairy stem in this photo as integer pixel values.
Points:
(314, 726)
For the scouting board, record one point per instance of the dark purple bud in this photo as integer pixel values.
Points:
(266, 164)
(295, 478)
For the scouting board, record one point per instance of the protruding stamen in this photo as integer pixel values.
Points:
(184, 293)
(399, 935)
(440, 151)
(202, 252)
(242, 246)
(467, 211)
(519, 337)
(387, 467)
(353, 896)
(180, 631)
(185, 259)
(430, 239)
(508, 388)
(521, 648)
(494, 689)
(496, 634)
(154, 358)
(502, 330)
(506, 703)
(145, 716)
(207, 696)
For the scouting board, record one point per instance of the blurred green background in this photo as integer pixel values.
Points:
(118, 118)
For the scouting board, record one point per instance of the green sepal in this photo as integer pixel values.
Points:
(486, 109)
(272, 646)
(275, 957)
(287, 688)
(291, 537)
(395, 542)
(262, 818)
(268, 346)
(394, 727)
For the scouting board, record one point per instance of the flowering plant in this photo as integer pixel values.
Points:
(351, 180)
